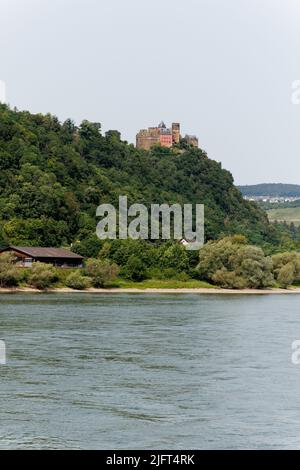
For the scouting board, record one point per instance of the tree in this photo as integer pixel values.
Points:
(228, 279)
(101, 272)
(77, 281)
(134, 269)
(251, 264)
(286, 268)
(9, 274)
(229, 262)
(286, 275)
(174, 257)
(42, 276)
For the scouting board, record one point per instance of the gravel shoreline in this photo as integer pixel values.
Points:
(65, 290)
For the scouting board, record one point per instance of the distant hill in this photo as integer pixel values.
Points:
(271, 189)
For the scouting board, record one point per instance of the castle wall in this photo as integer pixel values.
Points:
(147, 138)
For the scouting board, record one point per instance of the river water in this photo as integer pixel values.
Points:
(121, 371)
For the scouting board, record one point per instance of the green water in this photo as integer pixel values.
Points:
(149, 371)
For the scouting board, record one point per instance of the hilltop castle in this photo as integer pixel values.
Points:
(161, 135)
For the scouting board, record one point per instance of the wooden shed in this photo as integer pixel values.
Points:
(25, 256)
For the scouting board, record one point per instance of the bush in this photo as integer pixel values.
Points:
(286, 275)
(9, 274)
(42, 276)
(228, 279)
(90, 246)
(174, 257)
(134, 269)
(77, 281)
(101, 272)
(119, 251)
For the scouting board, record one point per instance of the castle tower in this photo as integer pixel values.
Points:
(176, 132)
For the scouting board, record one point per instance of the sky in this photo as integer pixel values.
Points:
(224, 69)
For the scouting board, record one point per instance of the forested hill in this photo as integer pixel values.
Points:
(271, 189)
(53, 176)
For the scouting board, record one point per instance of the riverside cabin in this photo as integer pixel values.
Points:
(59, 257)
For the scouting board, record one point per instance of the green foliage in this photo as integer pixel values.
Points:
(120, 251)
(286, 268)
(230, 263)
(165, 274)
(218, 255)
(76, 281)
(89, 247)
(101, 272)
(286, 275)
(42, 276)
(9, 274)
(228, 279)
(134, 269)
(175, 257)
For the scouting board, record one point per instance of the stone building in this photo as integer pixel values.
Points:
(176, 132)
(162, 135)
(192, 140)
(146, 138)
(159, 135)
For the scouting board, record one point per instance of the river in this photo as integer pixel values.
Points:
(149, 371)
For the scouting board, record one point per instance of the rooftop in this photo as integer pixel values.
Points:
(40, 252)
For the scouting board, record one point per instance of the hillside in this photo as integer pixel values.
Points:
(285, 214)
(272, 189)
(53, 176)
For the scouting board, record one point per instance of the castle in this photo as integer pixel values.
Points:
(161, 135)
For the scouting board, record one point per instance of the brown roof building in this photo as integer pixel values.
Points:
(25, 256)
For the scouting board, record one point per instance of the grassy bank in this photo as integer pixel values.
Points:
(121, 283)
(162, 284)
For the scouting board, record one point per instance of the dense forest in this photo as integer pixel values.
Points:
(54, 175)
(271, 189)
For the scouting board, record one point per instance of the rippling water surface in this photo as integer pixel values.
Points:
(149, 371)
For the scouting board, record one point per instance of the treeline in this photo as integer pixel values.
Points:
(96, 273)
(232, 263)
(271, 189)
(229, 263)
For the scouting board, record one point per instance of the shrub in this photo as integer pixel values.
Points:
(286, 275)
(120, 251)
(174, 257)
(101, 272)
(42, 276)
(90, 245)
(228, 279)
(134, 269)
(77, 281)
(9, 274)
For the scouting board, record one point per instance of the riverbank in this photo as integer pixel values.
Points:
(66, 290)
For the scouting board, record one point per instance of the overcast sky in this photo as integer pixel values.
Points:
(223, 68)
